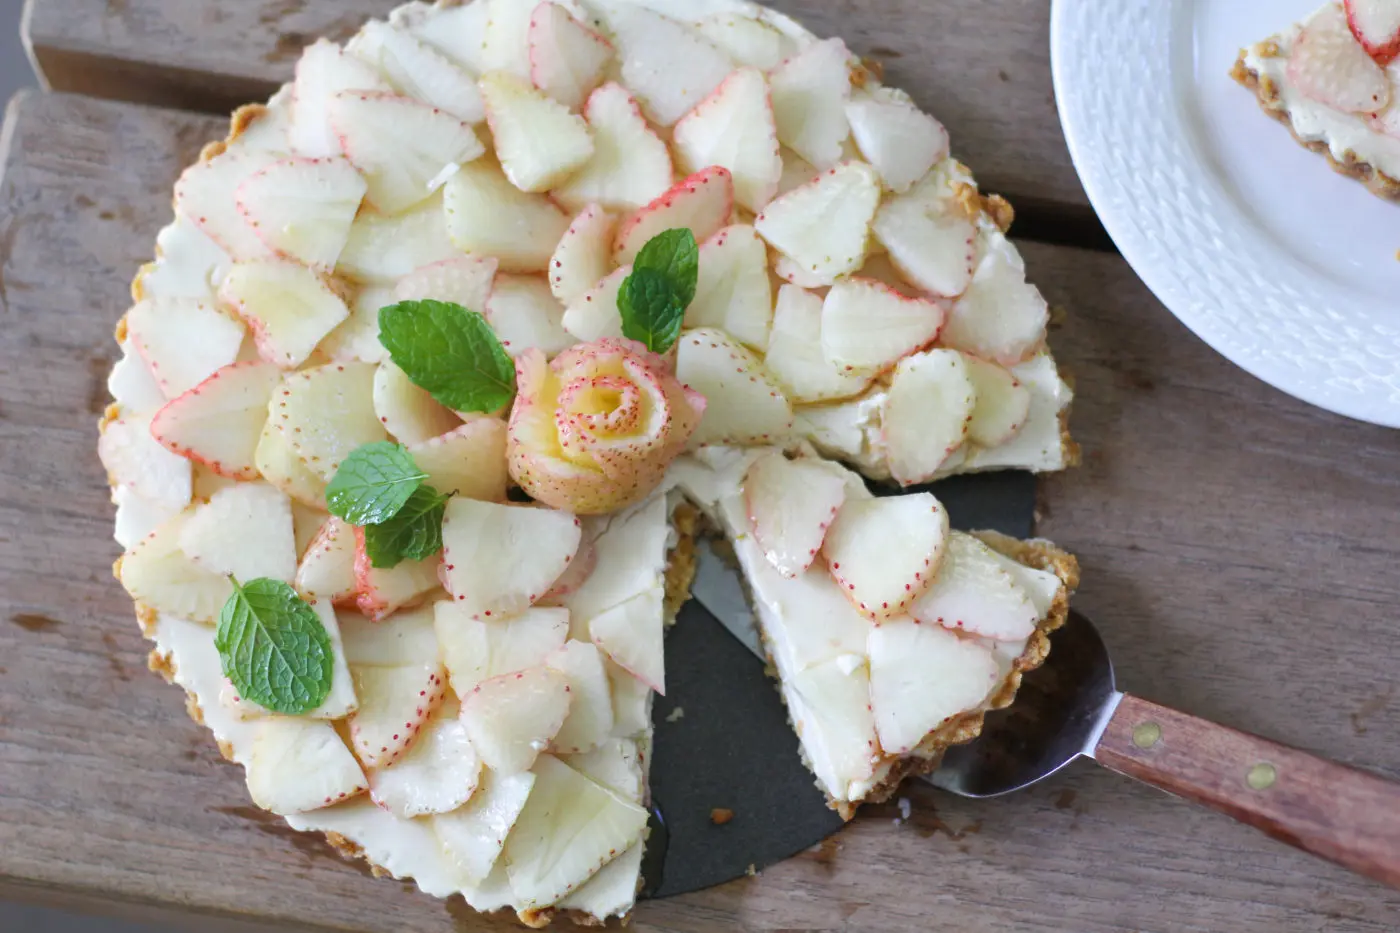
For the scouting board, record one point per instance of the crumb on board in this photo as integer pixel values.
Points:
(751, 871)
(676, 715)
(721, 815)
(904, 808)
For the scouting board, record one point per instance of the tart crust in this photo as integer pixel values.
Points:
(1271, 102)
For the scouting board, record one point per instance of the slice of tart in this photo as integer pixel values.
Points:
(1334, 81)
(446, 343)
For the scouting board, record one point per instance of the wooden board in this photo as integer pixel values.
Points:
(1239, 555)
(981, 66)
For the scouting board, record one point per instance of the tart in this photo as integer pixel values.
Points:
(452, 348)
(1334, 81)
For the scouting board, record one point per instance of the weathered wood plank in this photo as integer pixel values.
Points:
(1238, 549)
(982, 66)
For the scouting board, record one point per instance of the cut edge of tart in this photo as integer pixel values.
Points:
(1327, 100)
(775, 341)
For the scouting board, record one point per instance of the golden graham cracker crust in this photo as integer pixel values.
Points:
(1271, 102)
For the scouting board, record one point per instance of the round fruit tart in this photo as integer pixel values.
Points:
(454, 346)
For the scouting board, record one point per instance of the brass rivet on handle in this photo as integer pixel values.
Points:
(1146, 734)
(1262, 776)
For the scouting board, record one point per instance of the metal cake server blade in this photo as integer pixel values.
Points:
(1070, 708)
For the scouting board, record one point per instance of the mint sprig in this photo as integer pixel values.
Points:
(449, 352)
(274, 648)
(373, 483)
(653, 299)
(413, 533)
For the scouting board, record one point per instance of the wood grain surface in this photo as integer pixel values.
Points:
(1344, 814)
(1239, 554)
(981, 66)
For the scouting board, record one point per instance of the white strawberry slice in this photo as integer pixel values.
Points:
(381, 591)
(382, 250)
(810, 91)
(823, 227)
(404, 148)
(504, 36)
(1003, 403)
(1388, 120)
(570, 828)
(734, 127)
(455, 31)
(1001, 317)
(395, 704)
(322, 72)
(926, 414)
(297, 764)
(289, 307)
(539, 142)
(702, 203)
(356, 339)
(590, 719)
(202, 195)
(921, 676)
(884, 553)
(747, 40)
(244, 530)
(744, 403)
(157, 574)
(631, 701)
(973, 592)
(630, 167)
(182, 341)
(437, 775)
(1330, 65)
(418, 70)
(580, 569)
(669, 66)
(1376, 25)
(583, 256)
(302, 209)
(473, 835)
(410, 415)
(475, 651)
(567, 59)
(734, 291)
(930, 240)
(280, 464)
(469, 460)
(488, 215)
(499, 559)
(131, 384)
(595, 315)
(327, 569)
(632, 633)
(790, 504)
(466, 280)
(135, 459)
(795, 356)
(898, 138)
(512, 718)
(524, 313)
(326, 412)
(797, 171)
(868, 326)
(218, 423)
(307, 522)
(829, 704)
(137, 517)
(405, 639)
(616, 764)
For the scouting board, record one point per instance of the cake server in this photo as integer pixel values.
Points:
(1071, 708)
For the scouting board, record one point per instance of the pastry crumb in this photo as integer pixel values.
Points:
(751, 871)
(721, 815)
(676, 715)
(904, 808)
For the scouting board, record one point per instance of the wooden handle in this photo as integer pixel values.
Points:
(1349, 816)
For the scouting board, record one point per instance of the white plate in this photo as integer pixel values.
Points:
(1283, 266)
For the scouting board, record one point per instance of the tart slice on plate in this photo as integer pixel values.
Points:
(443, 351)
(1334, 80)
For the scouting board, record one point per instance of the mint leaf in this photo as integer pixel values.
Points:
(651, 310)
(415, 533)
(373, 483)
(675, 255)
(449, 352)
(274, 648)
